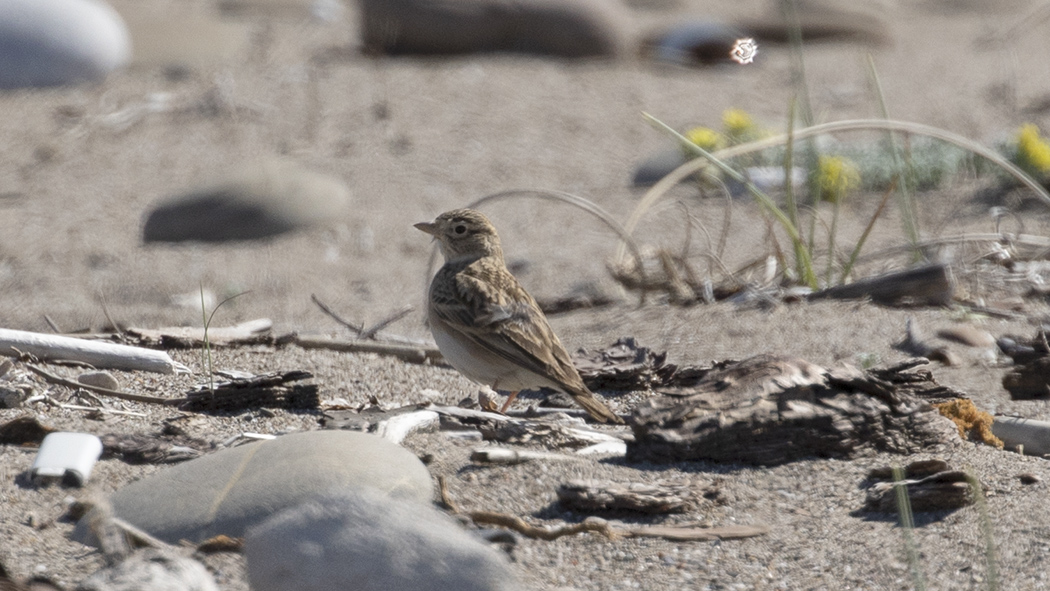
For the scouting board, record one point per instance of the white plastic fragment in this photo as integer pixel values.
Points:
(68, 457)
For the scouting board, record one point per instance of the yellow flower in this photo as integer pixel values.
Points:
(706, 138)
(1033, 152)
(738, 123)
(838, 176)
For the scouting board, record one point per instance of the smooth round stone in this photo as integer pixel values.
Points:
(696, 43)
(368, 542)
(101, 379)
(657, 166)
(580, 28)
(57, 42)
(259, 201)
(233, 489)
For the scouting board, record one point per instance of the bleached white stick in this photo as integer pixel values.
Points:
(95, 353)
(396, 429)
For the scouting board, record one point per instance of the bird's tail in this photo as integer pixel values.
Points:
(594, 406)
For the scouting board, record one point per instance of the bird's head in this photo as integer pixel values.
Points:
(464, 233)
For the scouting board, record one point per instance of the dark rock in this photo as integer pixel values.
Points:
(259, 201)
(581, 28)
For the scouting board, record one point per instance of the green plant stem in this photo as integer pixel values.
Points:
(206, 347)
(835, 207)
(991, 563)
(907, 521)
(909, 212)
(864, 235)
(805, 263)
(789, 184)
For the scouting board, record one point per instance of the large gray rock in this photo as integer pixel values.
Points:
(368, 542)
(258, 201)
(56, 42)
(231, 490)
(576, 28)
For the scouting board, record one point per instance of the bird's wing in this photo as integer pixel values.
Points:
(489, 306)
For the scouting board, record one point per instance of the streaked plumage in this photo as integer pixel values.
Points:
(485, 323)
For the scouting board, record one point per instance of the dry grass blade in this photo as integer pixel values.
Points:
(867, 231)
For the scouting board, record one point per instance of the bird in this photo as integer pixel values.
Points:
(487, 326)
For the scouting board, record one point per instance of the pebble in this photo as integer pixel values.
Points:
(99, 379)
(366, 541)
(261, 200)
(58, 42)
(695, 43)
(228, 491)
(1029, 478)
(581, 28)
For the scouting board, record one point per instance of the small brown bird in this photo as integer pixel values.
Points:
(485, 323)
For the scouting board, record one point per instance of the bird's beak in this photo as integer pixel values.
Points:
(428, 228)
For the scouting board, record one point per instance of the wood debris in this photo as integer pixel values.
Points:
(273, 390)
(624, 365)
(252, 332)
(770, 410)
(146, 449)
(1030, 377)
(927, 285)
(931, 486)
(24, 430)
(611, 530)
(590, 496)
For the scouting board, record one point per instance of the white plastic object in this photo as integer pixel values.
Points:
(68, 457)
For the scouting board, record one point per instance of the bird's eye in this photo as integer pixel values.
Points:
(460, 229)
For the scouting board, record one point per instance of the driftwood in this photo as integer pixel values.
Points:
(55, 379)
(930, 284)
(1027, 436)
(931, 486)
(14, 343)
(591, 495)
(405, 352)
(252, 332)
(549, 433)
(1030, 377)
(1028, 381)
(681, 533)
(769, 410)
(265, 391)
(501, 455)
(396, 429)
(24, 430)
(148, 449)
(624, 365)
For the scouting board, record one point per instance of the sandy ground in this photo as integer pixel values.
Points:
(413, 137)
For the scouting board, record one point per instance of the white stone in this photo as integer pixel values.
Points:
(366, 541)
(56, 42)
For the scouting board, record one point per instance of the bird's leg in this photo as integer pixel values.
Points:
(510, 399)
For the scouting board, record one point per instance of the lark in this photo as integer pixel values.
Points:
(487, 326)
